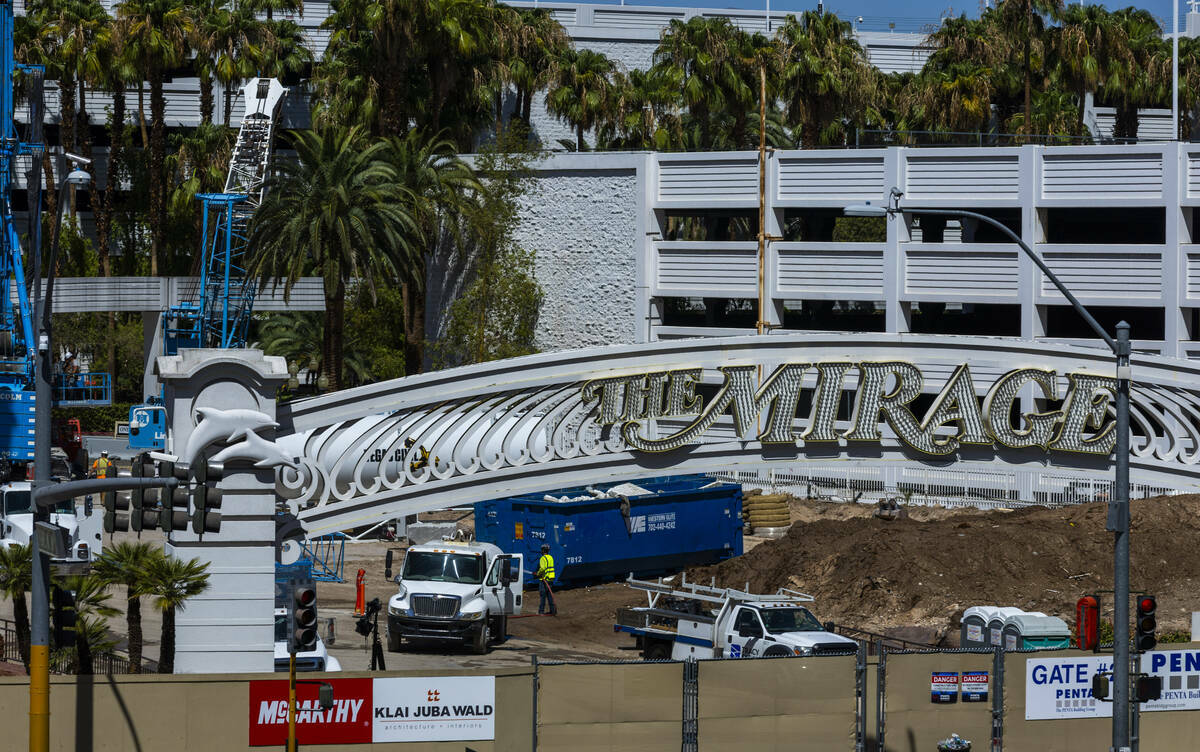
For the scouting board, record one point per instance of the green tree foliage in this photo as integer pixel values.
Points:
(341, 210)
(496, 315)
(16, 577)
(173, 582)
(129, 565)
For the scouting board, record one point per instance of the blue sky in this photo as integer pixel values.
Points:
(909, 15)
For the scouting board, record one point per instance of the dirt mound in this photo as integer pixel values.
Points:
(923, 571)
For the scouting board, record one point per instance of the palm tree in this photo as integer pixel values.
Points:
(579, 90)
(296, 337)
(173, 582)
(16, 577)
(1145, 82)
(825, 78)
(68, 32)
(1189, 85)
(1088, 46)
(91, 619)
(239, 40)
(440, 185)
(539, 41)
(285, 53)
(157, 34)
(340, 211)
(128, 564)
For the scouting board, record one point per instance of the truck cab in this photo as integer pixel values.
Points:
(767, 629)
(690, 620)
(458, 593)
(16, 522)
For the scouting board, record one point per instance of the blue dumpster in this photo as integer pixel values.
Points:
(683, 521)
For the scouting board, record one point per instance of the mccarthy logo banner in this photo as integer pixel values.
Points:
(364, 711)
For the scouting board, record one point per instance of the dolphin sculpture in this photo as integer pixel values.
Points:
(223, 425)
(254, 447)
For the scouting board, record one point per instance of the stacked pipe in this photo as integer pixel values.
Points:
(766, 515)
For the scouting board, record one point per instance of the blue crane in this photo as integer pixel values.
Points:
(17, 360)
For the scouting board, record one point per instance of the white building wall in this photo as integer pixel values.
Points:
(581, 219)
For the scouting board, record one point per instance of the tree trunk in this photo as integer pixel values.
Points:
(158, 148)
(142, 113)
(526, 106)
(228, 101)
(51, 192)
(414, 327)
(66, 109)
(112, 184)
(21, 617)
(166, 653)
(335, 321)
(133, 616)
(206, 97)
(1028, 73)
(83, 649)
(581, 145)
(499, 101)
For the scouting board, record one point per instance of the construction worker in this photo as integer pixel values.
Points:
(545, 575)
(102, 465)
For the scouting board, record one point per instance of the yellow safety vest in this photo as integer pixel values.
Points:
(546, 567)
(101, 466)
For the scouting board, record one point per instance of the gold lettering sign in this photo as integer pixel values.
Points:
(767, 411)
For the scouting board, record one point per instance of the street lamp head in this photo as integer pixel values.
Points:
(78, 177)
(865, 210)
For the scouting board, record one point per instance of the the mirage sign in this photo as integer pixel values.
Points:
(367, 711)
(766, 410)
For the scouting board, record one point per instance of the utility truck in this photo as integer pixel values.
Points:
(16, 522)
(452, 592)
(702, 621)
(317, 659)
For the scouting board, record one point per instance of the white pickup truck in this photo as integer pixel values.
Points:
(317, 659)
(454, 592)
(16, 522)
(698, 621)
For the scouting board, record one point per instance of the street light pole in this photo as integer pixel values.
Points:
(1118, 503)
(39, 626)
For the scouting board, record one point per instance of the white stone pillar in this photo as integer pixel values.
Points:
(229, 628)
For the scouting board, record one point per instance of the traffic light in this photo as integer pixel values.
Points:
(172, 502)
(302, 616)
(1147, 688)
(1100, 686)
(1087, 623)
(1146, 624)
(141, 517)
(206, 501)
(116, 515)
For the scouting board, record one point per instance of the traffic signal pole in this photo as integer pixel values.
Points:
(291, 740)
(45, 496)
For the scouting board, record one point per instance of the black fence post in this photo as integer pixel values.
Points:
(881, 697)
(997, 699)
(691, 706)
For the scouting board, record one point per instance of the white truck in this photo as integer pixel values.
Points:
(700, 621)
(16, 522)
(317, 659)
(454, 592)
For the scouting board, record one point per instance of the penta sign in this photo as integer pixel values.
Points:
(885, 393)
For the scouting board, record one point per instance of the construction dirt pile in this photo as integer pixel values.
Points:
(924, 570)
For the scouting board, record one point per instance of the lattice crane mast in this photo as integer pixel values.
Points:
(219, 314)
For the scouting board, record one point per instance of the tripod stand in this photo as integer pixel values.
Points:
(368, 624)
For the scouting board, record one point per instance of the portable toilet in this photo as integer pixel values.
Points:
(974, 627)
(1035, 631)
(995, 626)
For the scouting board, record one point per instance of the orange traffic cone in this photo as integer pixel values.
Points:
(360, 596)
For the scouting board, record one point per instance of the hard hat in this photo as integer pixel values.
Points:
(545, 546)
(103, 452)
(70, 354)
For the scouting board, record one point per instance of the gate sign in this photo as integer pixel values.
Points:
(944, 687)
(1061, 687)
(367, 711)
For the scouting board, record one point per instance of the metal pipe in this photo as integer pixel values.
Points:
(39, 612)
(1118, 505)
(762, 196)
(291, 737)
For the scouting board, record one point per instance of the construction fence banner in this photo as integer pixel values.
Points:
(1061, 687)
(369, 711)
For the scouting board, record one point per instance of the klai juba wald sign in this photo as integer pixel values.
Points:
(885, 393)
